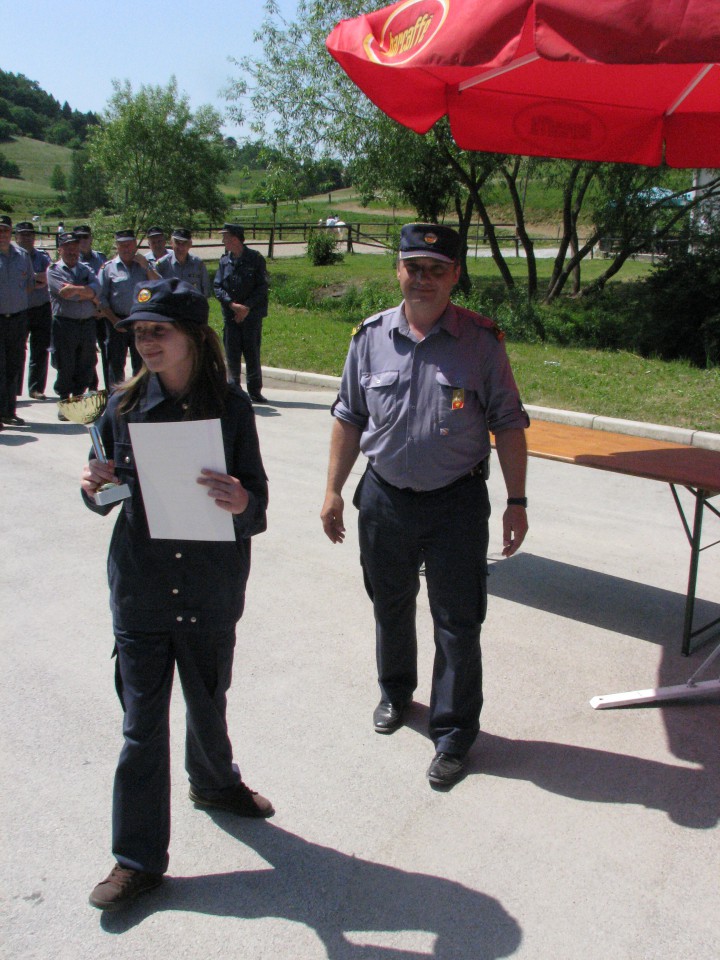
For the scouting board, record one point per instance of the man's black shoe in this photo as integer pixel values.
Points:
(12, 421)
(258, 398)
(446, 769)
(387, 717)
(122, 886)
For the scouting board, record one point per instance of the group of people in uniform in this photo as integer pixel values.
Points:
(68, 310)
(423, 387)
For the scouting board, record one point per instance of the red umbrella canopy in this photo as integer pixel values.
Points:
(629, 81)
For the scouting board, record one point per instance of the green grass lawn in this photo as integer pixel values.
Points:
(314, 336)
(36, 160)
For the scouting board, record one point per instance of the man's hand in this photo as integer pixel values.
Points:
(332, 517)
(227, 492)
(515, 526)
(240, 311)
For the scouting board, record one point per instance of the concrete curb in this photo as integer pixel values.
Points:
(635, 428)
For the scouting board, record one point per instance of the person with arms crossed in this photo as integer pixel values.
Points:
(96, 261)
(423, 386)
(74, 294)
(118, 280)
(184, 265)
(174, 602)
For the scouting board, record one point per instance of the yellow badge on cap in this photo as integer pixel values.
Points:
(430, 238)
(144, 295)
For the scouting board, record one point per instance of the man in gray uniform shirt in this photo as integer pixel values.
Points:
(156, 243)
(423, 386)
(183, 264)
(17, 281)
(96, 261)
(74, 292)
(117, 282)
(39, 313)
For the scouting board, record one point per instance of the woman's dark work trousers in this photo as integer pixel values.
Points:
(116, 348)
(242, 341)
(448, 529)
(144, 678)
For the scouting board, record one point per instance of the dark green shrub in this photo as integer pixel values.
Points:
(322, 248)
(8, 168)
(682, 316)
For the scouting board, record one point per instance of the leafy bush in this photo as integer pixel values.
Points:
(359, 302)
(7, 130)
(8, 168)
(322, 248)
(683, 307)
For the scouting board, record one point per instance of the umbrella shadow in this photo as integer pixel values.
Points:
(600, 599)
(690, 796)
(342, 898)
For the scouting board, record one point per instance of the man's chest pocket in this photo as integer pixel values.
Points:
(380, 395)
(454, 405)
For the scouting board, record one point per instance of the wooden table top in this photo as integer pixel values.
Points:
(621, 453)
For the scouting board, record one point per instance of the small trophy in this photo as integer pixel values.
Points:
(85, 410)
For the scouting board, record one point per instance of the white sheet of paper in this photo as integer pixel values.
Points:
(169, 458)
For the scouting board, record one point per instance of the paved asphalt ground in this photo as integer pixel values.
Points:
(577, 834)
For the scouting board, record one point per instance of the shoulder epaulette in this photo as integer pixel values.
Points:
(366, 322)
(480, 321)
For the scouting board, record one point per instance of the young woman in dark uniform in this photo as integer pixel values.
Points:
(174, 602)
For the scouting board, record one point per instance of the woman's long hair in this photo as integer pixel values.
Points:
(207, 388)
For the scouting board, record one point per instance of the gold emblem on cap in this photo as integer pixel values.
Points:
(430, 238)
(144, 295)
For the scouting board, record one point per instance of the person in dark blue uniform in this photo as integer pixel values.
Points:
(422, 387)
(174, 602)
(241, 286)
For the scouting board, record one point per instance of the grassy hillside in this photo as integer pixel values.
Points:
(36, 160)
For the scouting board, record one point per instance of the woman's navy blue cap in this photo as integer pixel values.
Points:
(166, 301)
(429, 240)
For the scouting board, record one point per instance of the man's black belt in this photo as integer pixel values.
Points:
(9, 316)
(481, 469)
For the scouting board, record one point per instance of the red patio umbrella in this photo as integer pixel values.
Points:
(616, 80)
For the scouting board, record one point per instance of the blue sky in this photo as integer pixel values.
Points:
(74, 52)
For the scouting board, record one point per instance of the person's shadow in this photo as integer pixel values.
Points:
(337, 896)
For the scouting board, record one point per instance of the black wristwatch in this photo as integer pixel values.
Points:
(517, 502)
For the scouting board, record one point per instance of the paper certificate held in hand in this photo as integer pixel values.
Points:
(169, 458)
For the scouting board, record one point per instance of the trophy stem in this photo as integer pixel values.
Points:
(97, 442)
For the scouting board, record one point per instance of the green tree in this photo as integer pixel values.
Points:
(281, 181)
(9, 169)
(58, 180)
(86, 190)
(161, 162)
